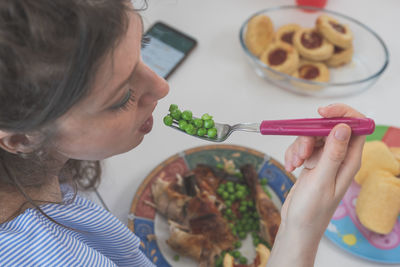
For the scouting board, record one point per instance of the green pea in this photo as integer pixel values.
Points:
(232, 197)
(219, 261)
(183, 125)
(198, 123)
(229, 184)
(256, 241)
(239, 174)
(201, 131)
(190, 129)
(206, 117)
(228, 211)
(242, 260)
(219, 165)
(231, 189)
(176, 258)
(237, 244)
(187, 115)
(236, 254)
(228, 203)
(264, 181)
(168, 120)
(239, 194)
(173, 107)
(225, 195)
(254, 235)
(248, 227)
(208, 124)
(220, 191)
(234, 232)
(242, 209)
(212, 133)
(242, 235)
(176, 114)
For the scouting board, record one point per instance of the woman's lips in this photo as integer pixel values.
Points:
(147, 125)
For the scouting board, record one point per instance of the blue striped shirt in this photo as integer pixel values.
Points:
(97, 238)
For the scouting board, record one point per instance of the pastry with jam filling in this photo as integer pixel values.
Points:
(286, 32)
(340, 57)
(312, 45)
(335, 32)
(259, 34)
(312, 71)
(281, 57)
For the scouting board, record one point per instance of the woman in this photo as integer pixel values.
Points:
(74, 90)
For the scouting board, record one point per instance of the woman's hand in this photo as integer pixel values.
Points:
(330, 165)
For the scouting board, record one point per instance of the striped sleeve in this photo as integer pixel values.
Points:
(90, 236)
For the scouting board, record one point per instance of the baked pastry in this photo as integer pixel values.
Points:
(335, 32)
(378, 204)
(312, 45)
(286, 32)
(376, 155)
(340, 57)
(312, 71)
(281, 57)
(259, 34)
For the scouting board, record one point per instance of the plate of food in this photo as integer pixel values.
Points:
(215, 205)
(313, 51)
(367, 223)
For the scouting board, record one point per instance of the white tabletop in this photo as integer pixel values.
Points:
(216, 78)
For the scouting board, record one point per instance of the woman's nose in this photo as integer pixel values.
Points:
(155, 90)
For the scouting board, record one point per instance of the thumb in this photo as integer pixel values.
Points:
(334, 152)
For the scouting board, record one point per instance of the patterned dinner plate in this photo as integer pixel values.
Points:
(346, 231)
(152, 228)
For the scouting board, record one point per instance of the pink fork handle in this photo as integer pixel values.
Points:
(316, 126)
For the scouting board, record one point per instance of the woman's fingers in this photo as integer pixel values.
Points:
(334, 152)
(339, 110)
(300, 150)
(350, 165)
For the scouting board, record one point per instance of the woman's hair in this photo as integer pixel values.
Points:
(50, 51)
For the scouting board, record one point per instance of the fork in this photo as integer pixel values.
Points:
(299, 127)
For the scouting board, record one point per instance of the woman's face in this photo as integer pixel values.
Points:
(117, 114)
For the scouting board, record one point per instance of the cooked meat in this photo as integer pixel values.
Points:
(206, 178)
(204, 217)
(270, 217)
(169, 201)
(206, 234)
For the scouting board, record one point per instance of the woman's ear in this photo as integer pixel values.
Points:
(17, 142)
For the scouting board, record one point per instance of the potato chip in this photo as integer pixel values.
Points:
(377, 156)
(378, 204)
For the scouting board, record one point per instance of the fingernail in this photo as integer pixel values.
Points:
(342, 133)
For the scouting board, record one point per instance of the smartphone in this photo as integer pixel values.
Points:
(166, 49)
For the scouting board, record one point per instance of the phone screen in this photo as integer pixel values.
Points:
(167, 48)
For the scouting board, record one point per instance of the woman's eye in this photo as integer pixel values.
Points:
(145, 41)
(126, 102)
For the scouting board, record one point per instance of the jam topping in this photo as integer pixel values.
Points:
(288, 37)
(337, 27)
(337, 50)
(277, 57)
(311, 40)
(308, 72)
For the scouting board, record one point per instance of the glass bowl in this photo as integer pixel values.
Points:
(370, 58)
